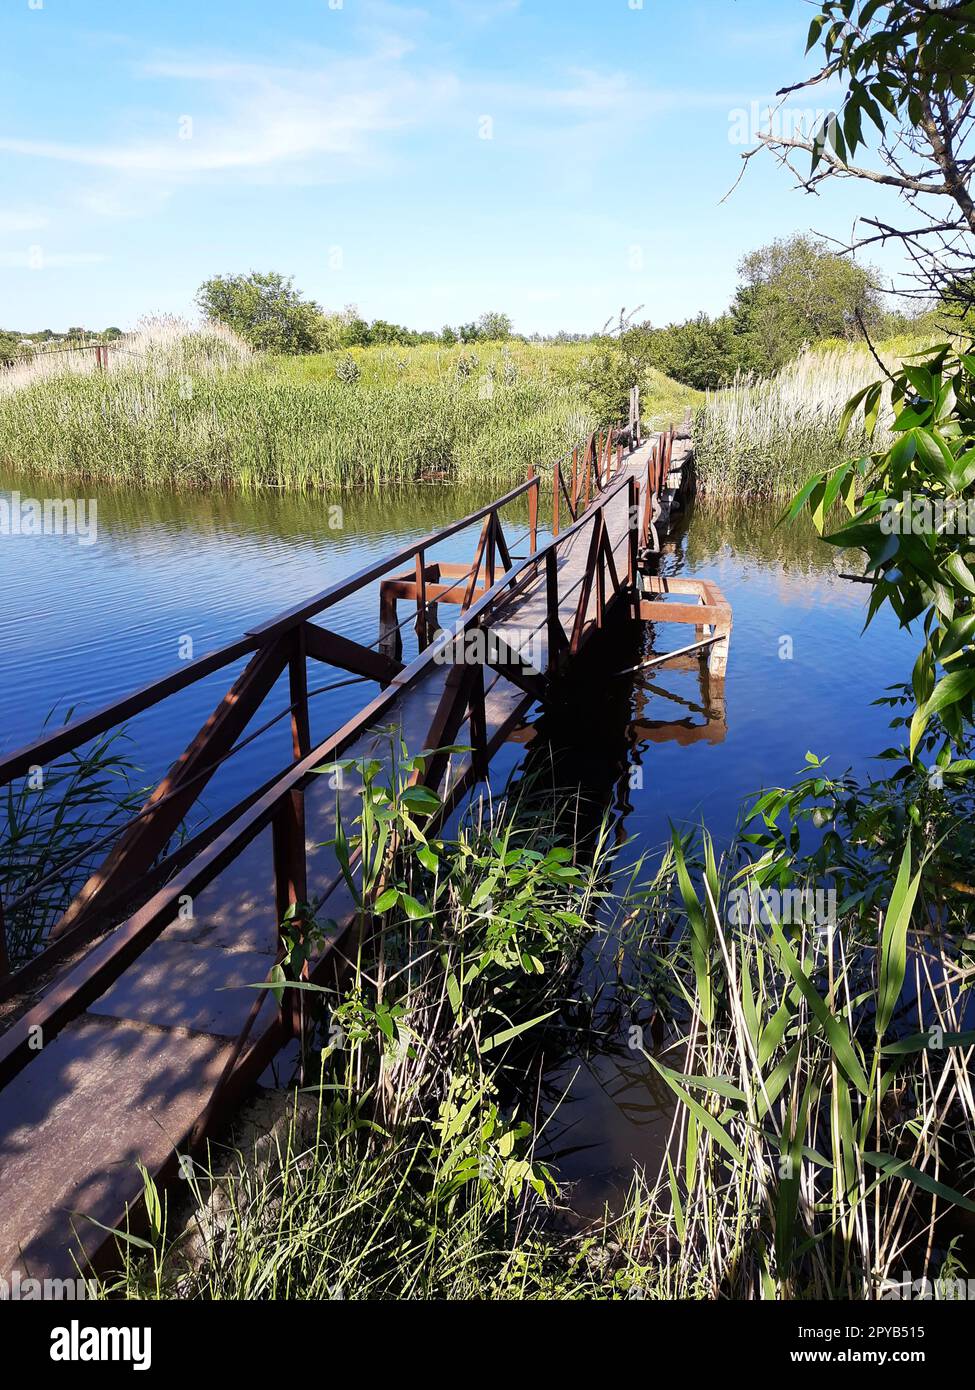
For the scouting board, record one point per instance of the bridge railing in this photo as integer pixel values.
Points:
(276, 647)
(279, 803)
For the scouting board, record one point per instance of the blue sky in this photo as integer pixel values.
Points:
(554, 159)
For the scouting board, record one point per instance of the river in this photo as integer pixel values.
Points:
(84, 624)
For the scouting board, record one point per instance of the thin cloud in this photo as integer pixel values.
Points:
(250, 116)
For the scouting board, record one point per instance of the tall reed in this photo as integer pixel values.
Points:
(764, 438)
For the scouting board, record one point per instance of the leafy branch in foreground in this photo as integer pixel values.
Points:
(905, 121)
(913, 515)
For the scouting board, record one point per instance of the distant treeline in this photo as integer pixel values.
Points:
(790, 292)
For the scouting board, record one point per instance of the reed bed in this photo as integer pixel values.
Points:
(765, 438)
(198, 410)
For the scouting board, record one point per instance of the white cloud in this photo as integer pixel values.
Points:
(22, 221)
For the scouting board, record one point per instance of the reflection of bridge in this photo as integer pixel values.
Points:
(132, 1031)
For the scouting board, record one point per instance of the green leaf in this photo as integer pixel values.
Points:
(921, 1042)
(891, 1167)
(701, 937)
(704, 1117)
(949, 691)
(815, 29)
(414, 910)
(893, 941)
(497, 1039)
(836, 1032)
(420, 800)
(960, 572)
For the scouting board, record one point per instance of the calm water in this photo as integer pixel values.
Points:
(83, 625)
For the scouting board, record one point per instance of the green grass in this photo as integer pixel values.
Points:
(197, 410)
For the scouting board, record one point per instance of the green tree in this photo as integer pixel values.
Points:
(356, 333)
(795, 291)
(618, 361)
(447, 335)
(494, 326)
(9, 347)
(704, 352)
(265, 309)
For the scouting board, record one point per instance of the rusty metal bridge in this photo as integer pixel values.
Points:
(130, 1034)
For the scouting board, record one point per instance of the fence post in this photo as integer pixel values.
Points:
(633, 497)
(489, 557)
(533, 509)
(556, 636)
(422, 634)
(288, 825)
(478, 720)
(649, 489)
(556, 489)
(600, 572)
(4, 954)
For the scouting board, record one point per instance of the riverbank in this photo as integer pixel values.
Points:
(410, 1165)
(199, 411)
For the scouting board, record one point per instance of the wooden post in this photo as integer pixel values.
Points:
(649, 489)
(632, 536)
(288, 826)
(4, 953)
(718, 655)
(556, 489)
(575, 484)
(390, 635)
(422, 634)
(489, 558)
(478, 721)
(533, 510)
(600, 572)
(556, 636)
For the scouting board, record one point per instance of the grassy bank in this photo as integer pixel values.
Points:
(198, 410)
(414, 1172)
(823, 1135)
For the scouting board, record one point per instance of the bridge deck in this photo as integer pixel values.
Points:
(138, 1033)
